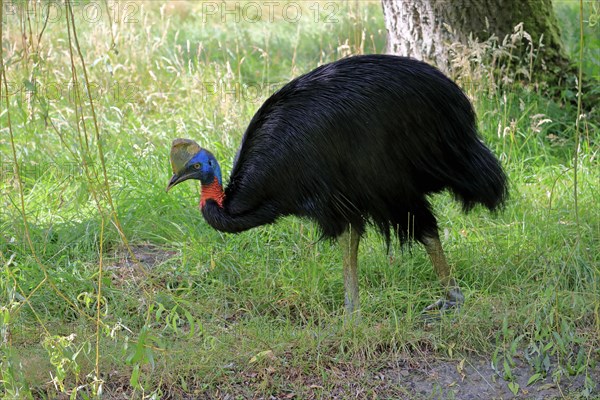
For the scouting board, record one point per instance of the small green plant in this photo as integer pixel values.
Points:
(502, 358)
(140, 355)
(177, 319)
(13, 383)
(63, 353)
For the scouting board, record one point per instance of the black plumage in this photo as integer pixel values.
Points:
(361, 140)
(366, 138)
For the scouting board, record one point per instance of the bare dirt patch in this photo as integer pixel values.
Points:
(476, 379)
(126, 265)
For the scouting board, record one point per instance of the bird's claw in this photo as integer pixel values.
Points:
(442, 305)
(453, 301)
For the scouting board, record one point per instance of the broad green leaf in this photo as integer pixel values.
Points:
(534, 378)
(514, 387)
(135, 374)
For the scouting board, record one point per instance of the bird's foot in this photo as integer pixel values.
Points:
(453, 301)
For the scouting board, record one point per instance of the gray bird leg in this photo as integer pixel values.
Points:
(349, 243)
(454, 297)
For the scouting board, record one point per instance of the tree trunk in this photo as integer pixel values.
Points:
(424, 29)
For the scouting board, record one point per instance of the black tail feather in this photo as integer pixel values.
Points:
(481, 181)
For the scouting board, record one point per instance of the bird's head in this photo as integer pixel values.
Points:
(190, 161)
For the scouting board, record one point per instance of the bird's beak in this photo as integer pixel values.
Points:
(175, 180)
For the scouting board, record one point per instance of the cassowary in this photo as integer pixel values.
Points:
(363, 140)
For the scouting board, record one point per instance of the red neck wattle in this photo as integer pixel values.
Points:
(212, 191)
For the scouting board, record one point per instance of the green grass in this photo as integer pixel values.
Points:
(261, 312)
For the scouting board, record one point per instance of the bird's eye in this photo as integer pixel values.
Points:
(197, 166)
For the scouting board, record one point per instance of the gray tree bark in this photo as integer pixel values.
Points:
(424, 29)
